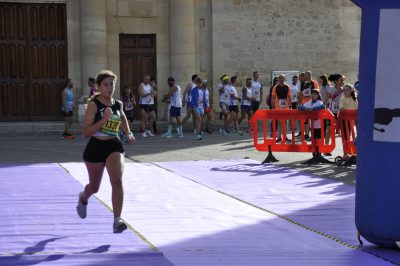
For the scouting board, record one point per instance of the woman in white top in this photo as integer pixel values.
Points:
(334, 100)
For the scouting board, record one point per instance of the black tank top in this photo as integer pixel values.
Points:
(111, 128)
(282, 91)
(116, 108)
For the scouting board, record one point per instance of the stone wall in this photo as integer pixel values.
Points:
(317, 35)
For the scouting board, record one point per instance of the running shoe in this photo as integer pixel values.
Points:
(240, 133)
(148, 132)
(119, 226)
(69, 136)
(179, 136)
(64, 135)
(81, 207)
(198, 137)
(144, 135)
(167, 135)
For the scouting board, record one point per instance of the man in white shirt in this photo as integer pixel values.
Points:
(233, 105)
(294, 91)
(257, 91)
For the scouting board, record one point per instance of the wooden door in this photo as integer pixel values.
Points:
(33, 65)
(137, 59)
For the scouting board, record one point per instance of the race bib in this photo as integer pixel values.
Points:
(335, 107)
(111, 128)
(282, 103)
(307, 92)
(129, 106)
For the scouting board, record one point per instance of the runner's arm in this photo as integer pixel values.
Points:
(63, 97)
(88, 127)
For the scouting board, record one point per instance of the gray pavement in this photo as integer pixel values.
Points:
(53, 149)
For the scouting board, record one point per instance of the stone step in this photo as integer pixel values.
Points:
(57, 127)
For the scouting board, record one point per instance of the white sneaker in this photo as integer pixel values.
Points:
(144, 135)
(167, 135)
(198, 137)
(149, 134)
(81, 208)
(179, 136)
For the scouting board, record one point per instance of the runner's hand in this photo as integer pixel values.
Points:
(130, 139)
(107, 113)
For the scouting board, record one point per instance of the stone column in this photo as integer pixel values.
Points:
(93, 39)
(182, 40)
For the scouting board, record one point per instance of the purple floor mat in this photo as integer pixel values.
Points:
(197, 226)
(318, 203)
(39, 223)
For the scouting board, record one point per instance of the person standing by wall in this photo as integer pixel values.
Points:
(197, 102)
(128, 99)
(208, 94)
(154, 86)
(174, 96)
(92, 86)
(245, 106)
(280, 100)
(224, 103)
(305, 96)
(257, 92)
(233, 106)
(187, 101)
(148, 116)
(68, 108)
(348, 101)
(335, 95)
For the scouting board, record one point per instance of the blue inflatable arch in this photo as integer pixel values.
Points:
(378, 160)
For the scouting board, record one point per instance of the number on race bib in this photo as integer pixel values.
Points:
(307, 92)
(111, 128)
(282, 103)
(129, 106)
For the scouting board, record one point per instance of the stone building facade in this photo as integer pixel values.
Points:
(212, 37)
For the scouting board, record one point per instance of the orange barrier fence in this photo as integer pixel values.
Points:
(347, 122)
(271, 120)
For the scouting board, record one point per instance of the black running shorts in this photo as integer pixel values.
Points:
(97, 151)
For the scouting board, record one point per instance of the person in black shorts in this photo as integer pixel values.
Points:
(103, 119)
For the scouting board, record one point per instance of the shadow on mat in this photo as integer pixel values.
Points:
(25, 257)
(99, 249)
(283, 171)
